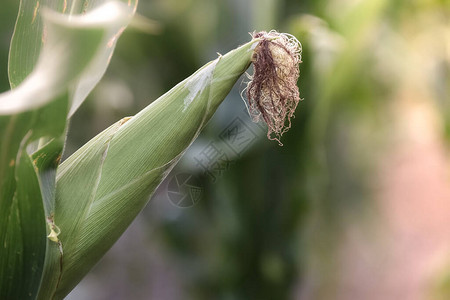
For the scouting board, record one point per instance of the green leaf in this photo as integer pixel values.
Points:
(37, 107)
(27, 39)
(23, 234)
(31, 33)
(102, 187)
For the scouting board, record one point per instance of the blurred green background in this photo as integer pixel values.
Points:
(355, 205)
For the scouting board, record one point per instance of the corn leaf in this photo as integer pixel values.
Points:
(37, 107)
(30, 33)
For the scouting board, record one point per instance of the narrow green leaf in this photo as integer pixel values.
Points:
(30, 34)
(23, 234)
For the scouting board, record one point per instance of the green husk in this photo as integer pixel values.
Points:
(103, 186)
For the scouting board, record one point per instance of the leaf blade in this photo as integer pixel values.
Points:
(37, 107)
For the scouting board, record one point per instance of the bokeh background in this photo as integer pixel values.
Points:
(355, 205)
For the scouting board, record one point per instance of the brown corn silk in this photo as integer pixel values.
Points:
(272, 91)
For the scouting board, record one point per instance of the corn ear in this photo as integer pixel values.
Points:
(103, 186)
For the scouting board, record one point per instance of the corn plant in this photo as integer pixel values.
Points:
(58, 219)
